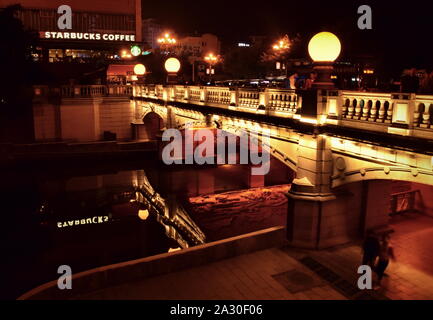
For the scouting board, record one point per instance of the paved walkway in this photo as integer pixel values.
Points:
(244, 277)
(286, 273)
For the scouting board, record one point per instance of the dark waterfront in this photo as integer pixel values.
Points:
(86, 216)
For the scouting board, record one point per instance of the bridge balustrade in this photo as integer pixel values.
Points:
(217, 95)
(86, 91)
(282, 101)
(398, 113)
(285, 102)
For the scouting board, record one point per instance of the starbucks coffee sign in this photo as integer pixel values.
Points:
(91, 36)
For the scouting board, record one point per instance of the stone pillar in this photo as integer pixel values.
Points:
(312, 208)
(377, 205)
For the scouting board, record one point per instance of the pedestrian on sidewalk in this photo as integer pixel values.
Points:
(370, 249)
(386, 253)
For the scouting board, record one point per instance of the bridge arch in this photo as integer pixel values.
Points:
(383, 173)
(153, 123)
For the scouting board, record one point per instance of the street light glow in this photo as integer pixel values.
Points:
(282, 44)
(211, 58)
(139, 69)
(166, 39)
(172, 65)
(324, 47)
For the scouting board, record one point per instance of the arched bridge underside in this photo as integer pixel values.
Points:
(343, 175)
(340, 158)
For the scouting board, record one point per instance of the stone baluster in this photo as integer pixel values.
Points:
(373, 111)
(350, 110)
(365, 111)
(344, 109)
(358, 109)
(389, 113)
(425, 119)
(381, 111)
(279, 101)
(273, 101)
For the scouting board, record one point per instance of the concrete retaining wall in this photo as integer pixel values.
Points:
(111, 275)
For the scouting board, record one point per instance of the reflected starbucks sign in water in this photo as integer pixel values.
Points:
(91, 36)
(77, 222)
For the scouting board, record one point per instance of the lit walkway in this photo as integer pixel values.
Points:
(244, 277)
(287, 273)
(411, 275)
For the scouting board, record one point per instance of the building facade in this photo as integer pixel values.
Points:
(99, 31)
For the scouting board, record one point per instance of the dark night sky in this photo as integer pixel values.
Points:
(402, 30)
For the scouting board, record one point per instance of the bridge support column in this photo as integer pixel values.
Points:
(314, 212)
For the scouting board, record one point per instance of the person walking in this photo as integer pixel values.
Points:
(309, 82)
(292, 80)
(386, 252)
(370, 249)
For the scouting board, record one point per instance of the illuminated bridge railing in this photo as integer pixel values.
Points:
(272, 101)
(84, 91)
(394, 113)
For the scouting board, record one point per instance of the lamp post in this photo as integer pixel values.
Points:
(211, 60)
(166, 41)
(140, 70)
(280, 47)
(324, 48)
(172, 66)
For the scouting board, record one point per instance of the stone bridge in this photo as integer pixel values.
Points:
(351, 151)
(346, 148)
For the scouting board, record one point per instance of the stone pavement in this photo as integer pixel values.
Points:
(287, 273)
(247, 276)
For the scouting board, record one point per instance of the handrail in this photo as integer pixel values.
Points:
(84, 91)
(395, 113)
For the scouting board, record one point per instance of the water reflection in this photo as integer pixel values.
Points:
(88, 217)
(170, 214)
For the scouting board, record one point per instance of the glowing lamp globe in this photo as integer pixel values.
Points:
(172, 65)
(139, 69)
(324, 47)
(143, 214)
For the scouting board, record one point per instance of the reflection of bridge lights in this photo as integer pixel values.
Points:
(143, 214)
(174, 249)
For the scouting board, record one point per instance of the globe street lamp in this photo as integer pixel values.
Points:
(172, 66)
(212, 60)
(324, 48)
(139, 71)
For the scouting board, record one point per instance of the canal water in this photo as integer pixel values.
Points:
(90, 216)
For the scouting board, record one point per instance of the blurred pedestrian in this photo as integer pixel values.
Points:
(370, 249)
(386, 252)
(292, 80)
